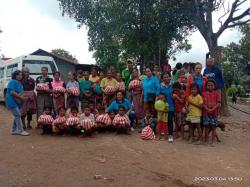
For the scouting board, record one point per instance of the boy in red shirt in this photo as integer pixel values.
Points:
(179, 105)
(212, 103)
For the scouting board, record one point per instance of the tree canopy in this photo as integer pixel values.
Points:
(63, 53)
(236, 61)
(146, 30)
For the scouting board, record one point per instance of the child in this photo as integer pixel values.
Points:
(182, 79)
(162, 116)
(72, 100)
(45, 120)
(212, 103)
(148, 120)
(72, 121)
(194, 105)
(59, 123)
(87, 120)
(86, 90)
(179, 105)
(93, 110)
(121, 121)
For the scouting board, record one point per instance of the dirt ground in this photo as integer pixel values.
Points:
(123, 160)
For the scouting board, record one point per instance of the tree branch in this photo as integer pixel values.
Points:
(239, 23)
(231, 19)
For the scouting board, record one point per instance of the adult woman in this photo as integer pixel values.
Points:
(214, 72)
(150, 86)
(58, 98)
(94, 77)
(105, 82)
(14, 89)
(196, 78)
(28, 107)
(137, 96)
(121, 101)
(167, 90)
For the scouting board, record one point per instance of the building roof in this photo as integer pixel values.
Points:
(54, 56)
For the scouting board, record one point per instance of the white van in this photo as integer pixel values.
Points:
(33, 62)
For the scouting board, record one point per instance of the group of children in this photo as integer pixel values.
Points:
(196, 109)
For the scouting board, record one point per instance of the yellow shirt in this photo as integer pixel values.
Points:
(163, 115)
(108, 82)
(193, 110)
(93, 79)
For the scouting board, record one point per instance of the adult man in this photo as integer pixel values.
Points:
(44, 98)
(127, 77)
(28, 107)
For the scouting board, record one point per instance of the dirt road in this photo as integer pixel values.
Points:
(123, 160)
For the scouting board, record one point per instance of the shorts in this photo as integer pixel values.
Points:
(179, 118)
(210, 121)
(193, 119)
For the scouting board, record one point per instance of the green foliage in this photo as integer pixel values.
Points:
(232, 90)
(235, 60)
(63, 53)
(143, 29)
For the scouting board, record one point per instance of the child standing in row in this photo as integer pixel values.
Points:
(212, 103)
(194, 105)
(162, 116)
(179, 105)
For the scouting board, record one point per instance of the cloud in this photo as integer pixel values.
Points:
(33, 27)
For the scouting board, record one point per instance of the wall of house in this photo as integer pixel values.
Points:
(64, 68)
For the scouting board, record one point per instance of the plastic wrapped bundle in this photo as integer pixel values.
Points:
(42, 87)
(147, 133)
(72, 121)
(121, 86)
(59, 89)
(74, 91)
(134, 84)
(45, 119)
(104, 119)
(87, 124)
(121, 121)
(110, 90)
(59, 121)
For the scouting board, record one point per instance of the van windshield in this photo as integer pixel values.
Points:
(36, 65)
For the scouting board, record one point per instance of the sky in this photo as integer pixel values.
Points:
(28, 25)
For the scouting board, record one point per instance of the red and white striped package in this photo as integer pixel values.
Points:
(121, 86)
(45, 119)
(74, 91)
(104, 119)
(87, 124)
(121, 121)
(134, 84)
(42, 87)
(59, 120)
(71, 121)
(109, 90)
(147, 133)
(59, 89)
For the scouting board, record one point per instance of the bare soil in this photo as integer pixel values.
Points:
(123, 160)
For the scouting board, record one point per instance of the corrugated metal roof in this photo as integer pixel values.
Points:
(56, 56)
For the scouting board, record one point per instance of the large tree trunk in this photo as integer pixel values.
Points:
(216, 53)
